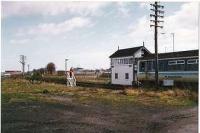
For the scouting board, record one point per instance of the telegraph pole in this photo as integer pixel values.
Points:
(66, 70)
(23, 62)
(173, 40)
(157, 14)
(66, 66)
(28, 67)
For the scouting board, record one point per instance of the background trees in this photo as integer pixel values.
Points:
(42, 70)
(51, 68)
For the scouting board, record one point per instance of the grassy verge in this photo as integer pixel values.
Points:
(18, 89)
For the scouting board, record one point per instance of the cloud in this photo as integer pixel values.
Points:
(99, 59)
(145, 5)
(187, 17)
(141, 29)
(51, 8)
(56, 28)
(184, 23)
(123, 10)
(19, 41)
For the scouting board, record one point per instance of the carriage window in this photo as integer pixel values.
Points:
(172, 63)
(162, 65)
(142, 66)
(192, 65)
(180, 62)
(193, 61)
(150, 66)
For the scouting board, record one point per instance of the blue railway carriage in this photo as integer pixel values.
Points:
(179, 66)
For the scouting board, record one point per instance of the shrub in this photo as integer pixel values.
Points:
(105, 75)
(36, 76)
(132, 92)
(51, 68)
(55, 79)
(45, 91)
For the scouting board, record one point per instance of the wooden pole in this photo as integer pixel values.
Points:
(156, 46)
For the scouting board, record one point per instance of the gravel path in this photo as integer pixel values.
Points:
(69, 116)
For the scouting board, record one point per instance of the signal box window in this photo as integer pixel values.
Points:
(126, 76)
(116, 75)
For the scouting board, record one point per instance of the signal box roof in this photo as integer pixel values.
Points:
(127, 52)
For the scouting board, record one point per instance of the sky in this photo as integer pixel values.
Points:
(87, 33)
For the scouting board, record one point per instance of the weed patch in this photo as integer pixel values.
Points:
(22, 89)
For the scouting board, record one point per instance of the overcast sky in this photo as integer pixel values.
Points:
(88, 32)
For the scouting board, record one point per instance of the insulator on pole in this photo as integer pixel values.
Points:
(157, 20)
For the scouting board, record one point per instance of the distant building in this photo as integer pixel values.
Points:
(78, 70)
(11, 72)
(60, 72)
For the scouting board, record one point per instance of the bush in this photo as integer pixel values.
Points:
(105, 75)
(17, 76)
(36, 76)
(132, 92)
(55, 79)
(45, 91)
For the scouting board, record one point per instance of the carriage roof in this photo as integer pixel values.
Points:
(178, 54)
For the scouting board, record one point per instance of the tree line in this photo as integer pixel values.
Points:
(49, 69)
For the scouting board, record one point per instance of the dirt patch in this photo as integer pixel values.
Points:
(26, 108)
(183, 121)
(62, 99)
(69, 116)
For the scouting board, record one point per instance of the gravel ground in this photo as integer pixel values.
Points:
(67, 115)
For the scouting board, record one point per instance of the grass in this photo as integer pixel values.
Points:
(13, 97)
(19, 89)
(89, 79)
(51, 107)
